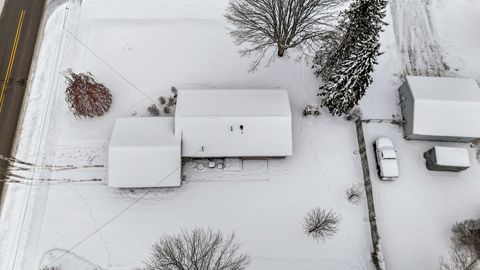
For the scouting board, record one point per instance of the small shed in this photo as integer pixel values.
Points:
(440, 109)
(234, 122)
(144, 152)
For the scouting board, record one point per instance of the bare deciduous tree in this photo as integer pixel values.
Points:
(197, 249)
(461, 258)
(283, 24)
(321, 224)
(85, 96)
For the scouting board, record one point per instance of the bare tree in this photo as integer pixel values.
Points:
(282, 24)
(197, 249)
(85, 96)
(461, 258)
(467, 233)
(321, 224)
(354, 194)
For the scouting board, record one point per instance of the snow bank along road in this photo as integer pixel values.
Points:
(19, 24)
(416, 38)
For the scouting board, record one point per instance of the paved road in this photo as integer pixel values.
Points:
(19, 24)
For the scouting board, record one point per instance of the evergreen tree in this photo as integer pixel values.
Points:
(346, 68)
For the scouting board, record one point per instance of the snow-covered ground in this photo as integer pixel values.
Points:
(416, 38)
(139, 51)
(139, 54)
(457, 24)
(416, 212)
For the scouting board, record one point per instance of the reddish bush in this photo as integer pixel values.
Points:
(85, 96)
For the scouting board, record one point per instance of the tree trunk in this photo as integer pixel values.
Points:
(280, 51)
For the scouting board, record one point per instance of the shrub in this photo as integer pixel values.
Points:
(51, 268)
(85, 96)
(461, 258)
(153, 110)
(171, 101)
(167, 110)
(174, 91)
(354, 194)
(354, 114)
(162, 100)
(467, 233)
(321, 224)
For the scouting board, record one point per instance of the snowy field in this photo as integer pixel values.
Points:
(139, 51)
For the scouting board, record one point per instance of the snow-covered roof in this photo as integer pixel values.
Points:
(144, 152)
(452, 156)
(233, 102)
(445, 106)
(234, 122)
(144, 132)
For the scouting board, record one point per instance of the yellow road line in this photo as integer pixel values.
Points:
(12, 57)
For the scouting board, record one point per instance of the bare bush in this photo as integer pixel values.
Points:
(153, 110)
(197, 249)
(51, 268)
(85, 96)
(321, 224)
(467, 233)
(461, 258)
(354, 194)
(172, 101)
(167, 110)
(264, 24)
(174, 91)
(162, 100)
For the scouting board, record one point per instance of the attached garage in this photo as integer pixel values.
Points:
(234, 122)
(144, 152)
(440, 109)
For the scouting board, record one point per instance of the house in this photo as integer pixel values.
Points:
(148, 151)
(234, 123)
(440, 109)
(144, 152)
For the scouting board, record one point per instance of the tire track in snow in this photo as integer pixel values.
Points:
(416, 38)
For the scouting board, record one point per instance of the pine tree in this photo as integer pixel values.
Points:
(347, 69)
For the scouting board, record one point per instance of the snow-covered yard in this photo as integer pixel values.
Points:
(139, 51)
(139, 55)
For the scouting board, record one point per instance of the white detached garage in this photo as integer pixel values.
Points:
(234, 122)
(440, 109)
(144, 152)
